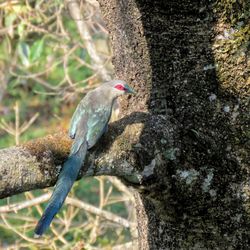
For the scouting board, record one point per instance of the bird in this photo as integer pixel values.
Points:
(88, 123)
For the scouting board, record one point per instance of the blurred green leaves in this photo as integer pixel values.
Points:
(29, 54)
(36, 50)
(9, 19)
(24, 53)
(5, 49)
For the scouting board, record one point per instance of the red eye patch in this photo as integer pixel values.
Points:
(119, 87)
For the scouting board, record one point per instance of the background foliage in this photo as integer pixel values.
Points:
(45, 68)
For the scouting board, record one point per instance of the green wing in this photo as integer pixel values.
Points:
(79, 113)
(89, 122)
(97, 124)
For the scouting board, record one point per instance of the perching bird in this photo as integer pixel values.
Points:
(88, 123)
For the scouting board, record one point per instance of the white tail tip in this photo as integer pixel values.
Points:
(36, 236)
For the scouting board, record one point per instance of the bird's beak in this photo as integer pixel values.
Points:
(130, 90)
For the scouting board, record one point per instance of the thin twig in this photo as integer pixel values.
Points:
(76, 14)
(25, 204)
(26, 125)
(17, 130)
(71, 201)
(105, 214)
(19, 233)
(121, 187)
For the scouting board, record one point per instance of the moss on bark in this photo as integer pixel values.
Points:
(191, 75)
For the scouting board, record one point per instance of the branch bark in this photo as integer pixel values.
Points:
(37, 163)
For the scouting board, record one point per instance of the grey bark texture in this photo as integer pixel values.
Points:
(37, 163)
(189, 62)
(183, 140)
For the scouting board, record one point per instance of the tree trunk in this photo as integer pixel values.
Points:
(188, 61)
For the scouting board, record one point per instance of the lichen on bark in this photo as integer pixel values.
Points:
(197, 83)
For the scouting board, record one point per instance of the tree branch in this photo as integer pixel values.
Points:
(74, 202)
(37, 163)
(98, 64)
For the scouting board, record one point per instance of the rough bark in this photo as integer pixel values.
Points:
(188, 60)
(37, 163)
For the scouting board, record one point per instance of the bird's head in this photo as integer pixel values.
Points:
(120, 87)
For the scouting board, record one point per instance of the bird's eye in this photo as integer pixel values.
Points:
(119, 87)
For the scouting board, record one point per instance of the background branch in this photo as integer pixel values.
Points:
(71, 201)
(76, 14)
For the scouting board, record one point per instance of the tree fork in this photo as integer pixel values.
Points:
(37, 163)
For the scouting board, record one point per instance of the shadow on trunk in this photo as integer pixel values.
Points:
(196, 198)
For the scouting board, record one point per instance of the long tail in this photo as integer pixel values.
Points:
(64, 183)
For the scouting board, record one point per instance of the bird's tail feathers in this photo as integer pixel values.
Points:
(64, 183)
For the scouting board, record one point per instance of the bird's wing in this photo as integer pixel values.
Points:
(97, 123)
(77, 116)
(89, 120)
(90, 127)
